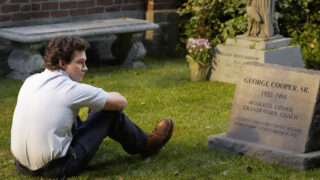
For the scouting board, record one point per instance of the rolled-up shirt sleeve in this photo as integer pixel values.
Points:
(84, 95)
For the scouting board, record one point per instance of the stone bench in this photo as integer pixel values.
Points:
(25, 58)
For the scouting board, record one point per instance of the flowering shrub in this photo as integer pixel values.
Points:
(200, 50)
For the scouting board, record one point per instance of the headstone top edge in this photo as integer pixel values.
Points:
(281, 67)
(275, 37)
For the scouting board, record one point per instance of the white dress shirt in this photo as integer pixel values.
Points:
(47, 105)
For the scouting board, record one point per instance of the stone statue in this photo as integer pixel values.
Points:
(260, 18)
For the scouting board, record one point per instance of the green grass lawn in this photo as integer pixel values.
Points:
(163, 89)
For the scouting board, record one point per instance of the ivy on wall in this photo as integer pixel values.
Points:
(216, 20)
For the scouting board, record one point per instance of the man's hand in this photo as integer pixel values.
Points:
(115, 101)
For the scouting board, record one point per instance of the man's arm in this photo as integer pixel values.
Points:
(115, 101)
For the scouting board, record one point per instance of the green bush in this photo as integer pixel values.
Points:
(300, 20)
(216, 20)
(309, 40)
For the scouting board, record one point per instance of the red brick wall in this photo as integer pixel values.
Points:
(164, 39)
(20, 10)
(161, 4)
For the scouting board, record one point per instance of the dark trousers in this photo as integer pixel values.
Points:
(87, 137)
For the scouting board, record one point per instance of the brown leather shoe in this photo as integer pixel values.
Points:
(158, 137)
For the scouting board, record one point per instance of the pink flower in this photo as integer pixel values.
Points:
(198, 43)
(199, 50)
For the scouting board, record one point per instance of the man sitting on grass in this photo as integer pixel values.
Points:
(47, 137)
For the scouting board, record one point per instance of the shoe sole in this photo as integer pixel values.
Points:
(169, 135)
(170, 132)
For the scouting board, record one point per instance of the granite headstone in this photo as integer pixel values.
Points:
(275, 116)
(230, 56)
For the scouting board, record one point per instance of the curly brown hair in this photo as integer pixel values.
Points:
(63, 47)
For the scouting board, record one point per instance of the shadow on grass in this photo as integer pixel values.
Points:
(176, 156)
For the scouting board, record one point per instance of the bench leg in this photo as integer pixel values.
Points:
(121, 46)
(136, 51)
(24, 62)
(128, 50)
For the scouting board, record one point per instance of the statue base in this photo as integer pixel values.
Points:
(236, 51)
